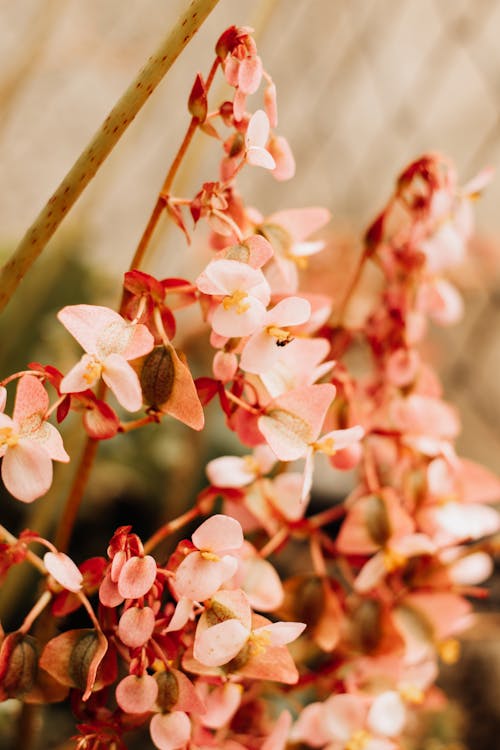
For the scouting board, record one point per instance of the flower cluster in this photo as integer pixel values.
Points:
(194, 644)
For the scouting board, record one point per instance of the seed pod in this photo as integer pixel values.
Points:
(18, 665)
(157, 376)
(168, 690)
(377, 520)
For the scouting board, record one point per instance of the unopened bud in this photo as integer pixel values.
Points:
(82, 657)
(197, 102)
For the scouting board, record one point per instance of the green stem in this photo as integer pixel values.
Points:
(84, 169)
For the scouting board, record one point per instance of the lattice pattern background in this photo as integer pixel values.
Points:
(364, 86)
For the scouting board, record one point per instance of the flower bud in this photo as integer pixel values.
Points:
(197, 103)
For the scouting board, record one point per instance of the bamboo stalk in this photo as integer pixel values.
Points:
(107, 136)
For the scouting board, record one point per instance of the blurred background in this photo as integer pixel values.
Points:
(364, 87)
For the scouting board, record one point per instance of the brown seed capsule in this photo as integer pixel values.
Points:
(157, 376)
(81, 658)
(18, 665)
(168, 690)
(377, 520)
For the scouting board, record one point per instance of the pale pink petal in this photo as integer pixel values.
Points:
(291, 311)
(170, 731)
(50, 439)
(270, 104)
(343, 715)
(280, 150)
(387, 714)
(412, 545)
(31, 398)
(286, 495)
(63, 569)
(85, 322)
(471, 569)
(141, 342)
(285, 434)
(239, 104)
(307, 481)
(280, 633)
(3, 398)
(137, 576)
(370, 574)
(301, 222)
(305, 249)
(257, 130)
(230, 471)
(198, 578)
(277, 740)
(219, 644)
(123, 381)
(239, 321)
(27, 471)
(234, 601)
(309, 726)
(260, 353)
(136, 695)
(467, 521)
(221, 703)
(108, 592)
(260, 157)
(225, 276)
(260, 249)
(310, 404)
(261, 583)
(250, 74)
(448, 613)
(224, 366)
(182, 613)
(219, 534)
(136, 626)
(83, 375)
(477, 483)
(341, 439)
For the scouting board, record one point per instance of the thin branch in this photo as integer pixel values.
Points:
(79, 176)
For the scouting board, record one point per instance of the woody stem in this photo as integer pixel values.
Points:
(170, 528)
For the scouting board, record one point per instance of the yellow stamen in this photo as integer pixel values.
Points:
(449, 650)
(92, 371)
(411, 693)
(259, 643)
(206, 555)
(393, 560)
(251, 464)
(325, 446)
(8, 437)
(358, 740)
(158, 665)
(281, 335)
(236, 300)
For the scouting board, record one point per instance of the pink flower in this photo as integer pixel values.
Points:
(262, 349)
(245, 294)
(204, 571)
(217, 644)
(28, 443)
(256, 139)
(109, 342)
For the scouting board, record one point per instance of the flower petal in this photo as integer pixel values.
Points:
(170, 731)
(123, 381)
(27, 471)
(84, 322)
(31, 398)
(63, 569)
(218, 533)
(219, 644)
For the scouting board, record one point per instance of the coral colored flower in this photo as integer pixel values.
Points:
(28, 443)
(245, 294)
(217, 644)
(204, 570)
(109, 342)
(170, 731)
(256, 139)
(262, 349)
